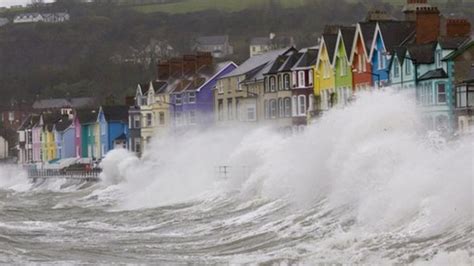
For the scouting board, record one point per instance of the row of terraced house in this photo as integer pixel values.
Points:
(426, 54)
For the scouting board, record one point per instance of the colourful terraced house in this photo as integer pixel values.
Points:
(112, 128)
(342, 68)
(359, 56)
(324, 85)
(87, 119)
(388, 36)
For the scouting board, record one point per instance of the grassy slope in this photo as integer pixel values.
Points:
(186, 6)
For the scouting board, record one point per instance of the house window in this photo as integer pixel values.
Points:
(286, 81)
(192, 97)
(438, 58)
(220, 87)
(294, 78)
(266, 109)
(287, 103)
(441, 93)
(162, 118)
(326, 69)
(11, 116)
(149, 120)
(220, 110)
(239, 83)
(310, 77)
(380, 59)
(272, 84)
(280, 82)
(178, 99)
(138, 146)
(229, 109)
(343, 64)
(251, 113)
(407, 68)
(396, 68)
(273, 109)
(103, 129)
(294, 105)
(364, 64)
(302, 105)
(281, 110)
(136, 121)
(301, 79)
(192, 117)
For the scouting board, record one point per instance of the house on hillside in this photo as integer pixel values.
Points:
(28, 18)
(59, 17)
(219, 46)
(260, 45)
(64, 105)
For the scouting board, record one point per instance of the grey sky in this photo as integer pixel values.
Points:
(16, 2)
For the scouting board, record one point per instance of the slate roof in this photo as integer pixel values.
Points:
(434, 74)
(400, 51)
(30, 122)
(330, 40)
(87, 116)
(212, 40)
(116, 113)
(257, 73)
(308, 59)
(50, 119)
(291, 62)
(422, 53)
(395, 33)
(255, 62)
(368, 31)
(63, 123)
(348, 37)
(451, 43)
(160, 86)
(121, 137)
(277, 64)
(82, 102)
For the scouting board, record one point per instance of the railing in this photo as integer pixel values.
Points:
(84, 175)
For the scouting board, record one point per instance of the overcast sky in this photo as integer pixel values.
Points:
(16, 2)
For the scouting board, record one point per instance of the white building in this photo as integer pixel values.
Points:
(59, 17)
(28, 18)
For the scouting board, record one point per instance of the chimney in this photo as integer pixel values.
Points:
(176, 67)
(458, 28)
(427, 24)
(163, 70)
(189, 64)
(204, 59)
(410, 8)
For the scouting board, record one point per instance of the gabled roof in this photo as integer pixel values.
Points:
(212, 40)
(144, 87)
(393, 34)
(367, 30)
(257, 73)
(277, 64)
(64, 103)
(257, 61)
(291, 62)
(422, 53)
(115, 113)
(330, 41)
(217, 70)
(159, 86)
(348, 38)
(434, 74)
(50, 119)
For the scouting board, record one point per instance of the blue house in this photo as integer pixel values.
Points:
(192, 97)
(113, 128)
(388, 35)
(65, 138)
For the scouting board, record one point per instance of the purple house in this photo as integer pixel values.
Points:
(192, 97)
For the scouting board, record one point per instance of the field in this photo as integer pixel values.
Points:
(186, 6)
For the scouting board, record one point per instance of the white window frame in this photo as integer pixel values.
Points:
(281, 110)
(192, 97)
(178, 99)
(272, 81)
(438, 93)
(302, 105)
(273, 109)
(301, 79)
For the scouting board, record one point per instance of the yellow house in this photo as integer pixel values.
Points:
(325, 82)
(48, 140)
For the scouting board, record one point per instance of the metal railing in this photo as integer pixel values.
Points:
(84, 175)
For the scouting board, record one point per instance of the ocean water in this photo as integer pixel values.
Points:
(365, 185)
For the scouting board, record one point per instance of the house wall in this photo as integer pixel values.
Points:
(361, 79)
(381, 71)
(68, 143)
(3, 148)
(343, 78)
(324, 84)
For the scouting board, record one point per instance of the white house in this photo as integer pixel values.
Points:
(28, 18)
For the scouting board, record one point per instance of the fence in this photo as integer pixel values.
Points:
(83, 175)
